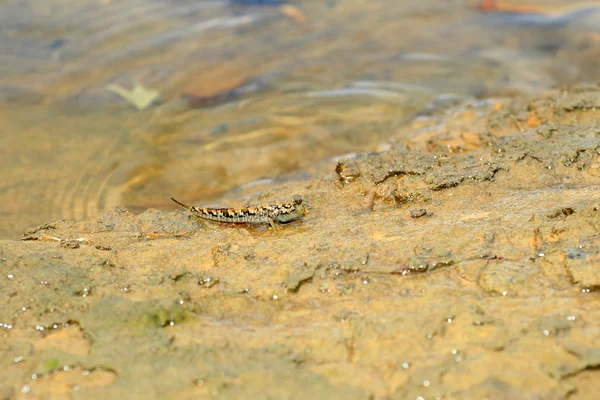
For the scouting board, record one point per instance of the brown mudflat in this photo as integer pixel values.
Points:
(492, 292)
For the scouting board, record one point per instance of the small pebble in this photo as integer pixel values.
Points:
(418, 212)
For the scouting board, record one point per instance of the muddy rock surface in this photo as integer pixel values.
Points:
(460, 261)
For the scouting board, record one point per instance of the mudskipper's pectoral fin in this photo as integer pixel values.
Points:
(272, 223)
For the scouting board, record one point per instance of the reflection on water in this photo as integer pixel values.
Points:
(249, 90)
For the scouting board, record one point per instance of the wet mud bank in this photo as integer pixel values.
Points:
(462, 261)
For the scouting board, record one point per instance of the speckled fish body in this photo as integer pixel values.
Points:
(282, 213)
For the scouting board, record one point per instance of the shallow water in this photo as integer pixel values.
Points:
(250, 92)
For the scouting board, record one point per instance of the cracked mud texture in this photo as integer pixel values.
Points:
(492, 293)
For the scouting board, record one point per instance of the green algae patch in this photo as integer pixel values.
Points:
(51, 364)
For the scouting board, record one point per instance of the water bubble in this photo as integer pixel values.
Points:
(429, 335)
(76, 387)
(39, 328)
(275, 297)
(34, 376)
(454, 351)
(458, 359)
(426, 383)
(66, 368)
(504, 293)
(546, 332)
(571, 318)
(19, 359)
(449, 320)
(200, 382)
(85, 372)
(420, 398)
(405, 365)
(25, 389)
(172, 323)
(541, 255)
(180, 301)
(10, 276)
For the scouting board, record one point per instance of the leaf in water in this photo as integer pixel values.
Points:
(140, 96)
(295, 14)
